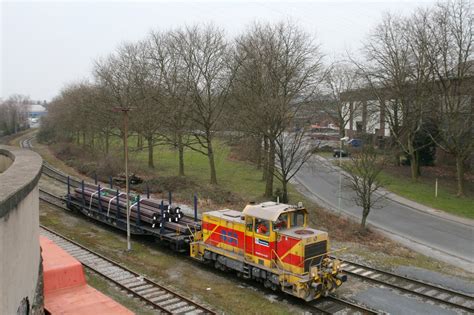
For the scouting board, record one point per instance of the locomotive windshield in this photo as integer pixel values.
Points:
(297, 218)
(281, 223)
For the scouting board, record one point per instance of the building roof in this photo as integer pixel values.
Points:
(36, 108)
(267, 210)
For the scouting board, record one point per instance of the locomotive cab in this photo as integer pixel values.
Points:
(270, 242)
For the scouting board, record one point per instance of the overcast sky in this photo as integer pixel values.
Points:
(45, 45)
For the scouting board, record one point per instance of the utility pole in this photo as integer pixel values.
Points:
(339, 195)
(125, 111)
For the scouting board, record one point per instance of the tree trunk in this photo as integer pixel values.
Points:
(365, 214)
(270, 169)
(460, 175)
(418, 166)
(284, 196)
(107, 142)
(414, 167)
(342, 130)
(413, 160)
(265, 158)
(397, 158)
(181, 155)
(212, 165)
(84, 139)
(92, 135)
(150, 152)
(259, 152)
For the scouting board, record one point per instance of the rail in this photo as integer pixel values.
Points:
(152, 293)
(332, 304)
(435, 293)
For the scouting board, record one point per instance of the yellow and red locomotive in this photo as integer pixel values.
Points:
(270, 242)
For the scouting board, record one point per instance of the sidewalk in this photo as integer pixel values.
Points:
(407, 202)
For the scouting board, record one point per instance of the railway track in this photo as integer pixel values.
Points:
(49, 170)
(333, 305)
(427, 291)
(327, 305)
(155, 295)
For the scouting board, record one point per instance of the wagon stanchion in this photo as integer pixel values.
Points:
(118, 205)
(111, 183)
(98, 198)
(138, 210)
(162, 207)
(195, 207)
(68, 192)
(147, 191)
(83, 197)
(169, 198)
(95, 178)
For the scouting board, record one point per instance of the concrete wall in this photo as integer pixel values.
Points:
(5, 162)
(20, 259)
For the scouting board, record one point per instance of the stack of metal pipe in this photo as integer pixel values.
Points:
(152, 212)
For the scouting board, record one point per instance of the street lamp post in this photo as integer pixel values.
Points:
(339, 195)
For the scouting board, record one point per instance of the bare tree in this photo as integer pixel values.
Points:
(279, 70)
(363, 176)
(205, 53)
(292, 152)
(341, 79)
(176, 87)
(13, 113)
(398, 74)
(451, 56)
(127, 78)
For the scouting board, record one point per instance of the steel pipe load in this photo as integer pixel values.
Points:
(151, 212)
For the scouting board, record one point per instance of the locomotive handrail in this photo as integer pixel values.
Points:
(190, 231)
(279, 259)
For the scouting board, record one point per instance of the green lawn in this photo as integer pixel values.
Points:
(424, 193)
(241, 178)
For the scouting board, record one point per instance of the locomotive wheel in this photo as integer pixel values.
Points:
(267, 284)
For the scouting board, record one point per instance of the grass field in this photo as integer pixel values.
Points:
(237, 176)
(423, 192)
(398, 181)
(237, 179)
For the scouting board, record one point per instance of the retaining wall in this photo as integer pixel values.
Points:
(20, 259)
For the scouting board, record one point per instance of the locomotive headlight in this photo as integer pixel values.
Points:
(314, 272)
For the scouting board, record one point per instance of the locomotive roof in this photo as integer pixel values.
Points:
(267, 210)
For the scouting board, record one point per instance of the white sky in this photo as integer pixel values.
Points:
(45, 45)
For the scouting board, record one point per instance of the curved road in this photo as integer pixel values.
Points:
(432, 235)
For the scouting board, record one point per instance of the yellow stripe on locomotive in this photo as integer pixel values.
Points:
(270, 242)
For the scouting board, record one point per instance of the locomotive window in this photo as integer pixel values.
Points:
(249, 223)
(297, 219)
(281, 223)
(262, 226)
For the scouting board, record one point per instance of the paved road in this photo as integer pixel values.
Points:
(427, 233)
